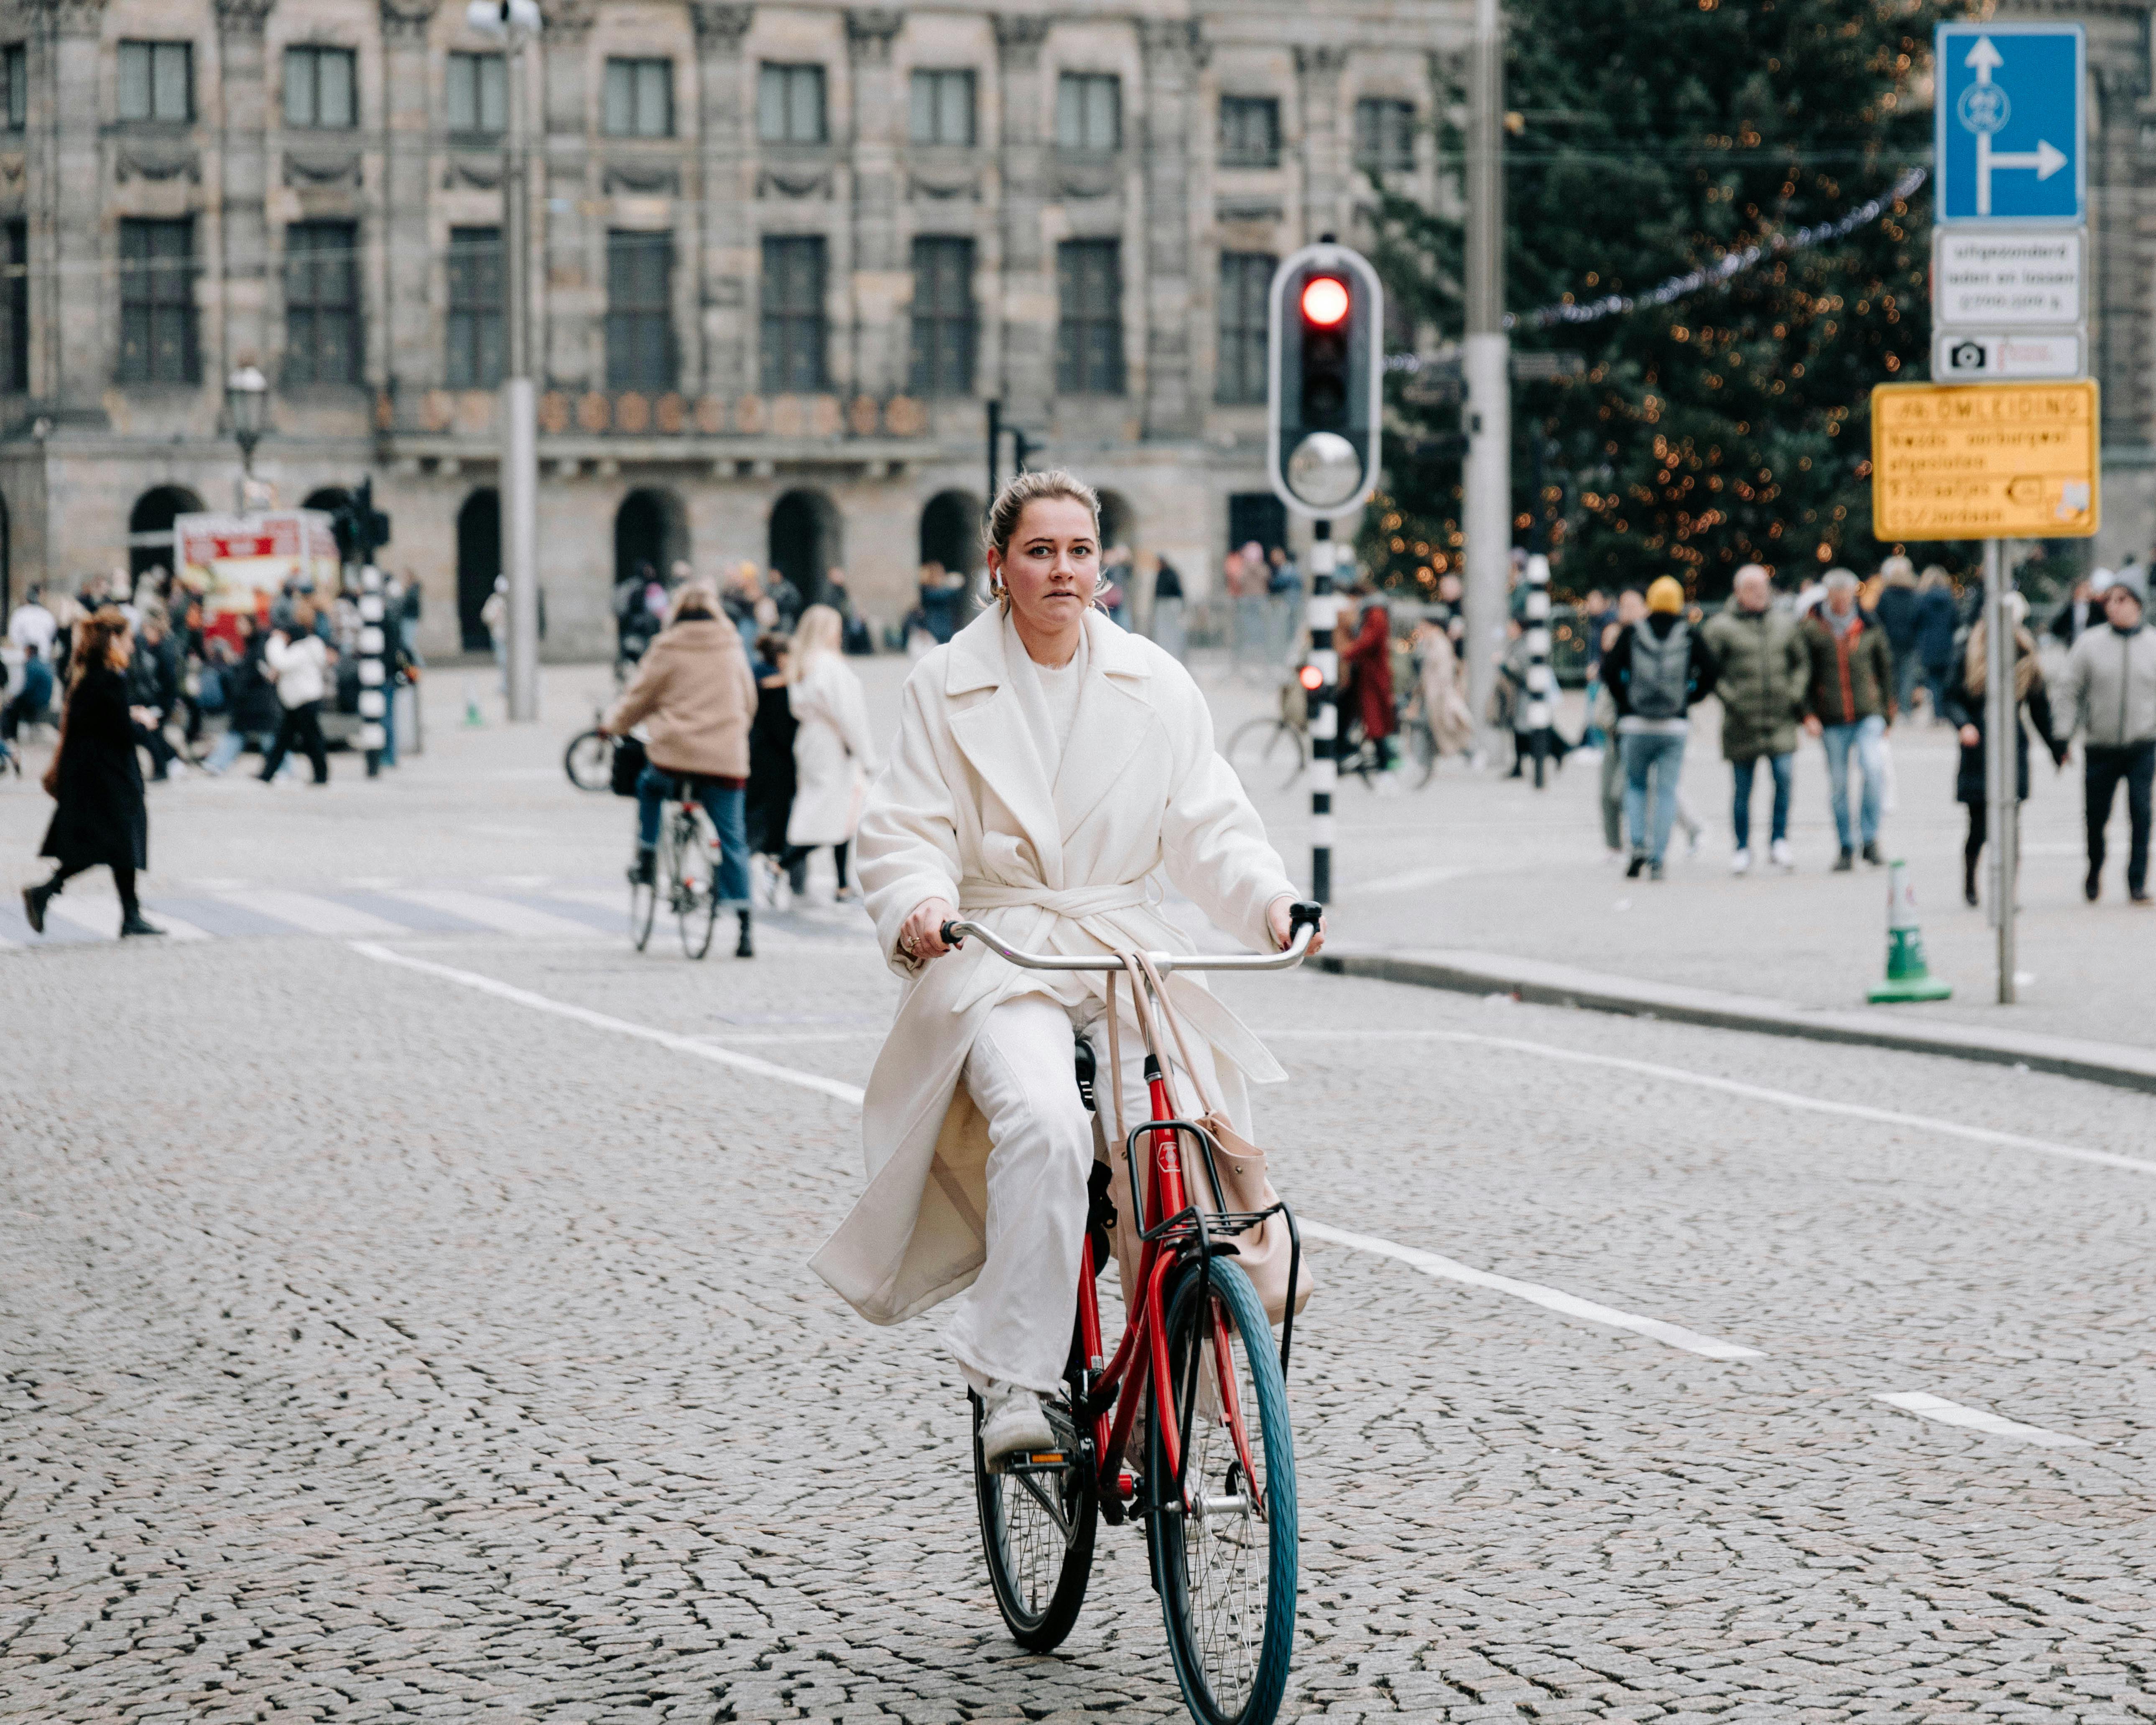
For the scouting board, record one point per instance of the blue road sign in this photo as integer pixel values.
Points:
(2009, 123)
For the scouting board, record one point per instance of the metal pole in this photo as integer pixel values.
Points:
(1324, 711)
(519, 496)
(995, 445)
(1485, 517)
(374, 692)
(2001, 781)
(1541, 684)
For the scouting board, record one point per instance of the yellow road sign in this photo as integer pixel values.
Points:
(1984, 461)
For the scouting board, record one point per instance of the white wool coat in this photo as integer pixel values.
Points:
(834, 752)
(965, 812)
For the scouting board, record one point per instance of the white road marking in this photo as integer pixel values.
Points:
(1947, 1413)
(604, 1021)
(497, 914)
(1555, 1299)
(1430, 1263)
(106, 927)
(1731, 1086)
(317, 916)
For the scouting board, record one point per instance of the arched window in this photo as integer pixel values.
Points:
(149, 527)
(806, 538)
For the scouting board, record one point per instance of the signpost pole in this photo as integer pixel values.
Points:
(2001, 779)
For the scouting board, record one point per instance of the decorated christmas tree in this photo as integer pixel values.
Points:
(1720, 207)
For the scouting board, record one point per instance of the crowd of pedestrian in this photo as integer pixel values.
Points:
(1840, 661)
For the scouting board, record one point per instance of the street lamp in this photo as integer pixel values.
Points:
(247, 404)
(514, 23)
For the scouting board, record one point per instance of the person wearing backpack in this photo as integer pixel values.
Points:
(1848, 705)
(1656, 670)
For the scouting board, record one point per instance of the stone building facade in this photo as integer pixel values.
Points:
(783, 256)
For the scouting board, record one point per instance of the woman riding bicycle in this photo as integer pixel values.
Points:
(1047, 765)
(695, 695)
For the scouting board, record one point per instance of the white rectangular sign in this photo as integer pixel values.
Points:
(1979, 356)
(1990, 278)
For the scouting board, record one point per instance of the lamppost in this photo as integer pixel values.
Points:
(514, 23)
(246, 405)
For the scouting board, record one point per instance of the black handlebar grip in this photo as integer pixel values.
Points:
(1301, 913)
(949, 935)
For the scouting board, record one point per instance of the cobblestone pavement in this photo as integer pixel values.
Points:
(377, 1347)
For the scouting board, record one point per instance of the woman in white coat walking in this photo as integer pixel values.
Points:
(834, 753)
(1049, 767)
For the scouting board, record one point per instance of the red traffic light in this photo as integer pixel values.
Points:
(1324, 300)
(1310, 678)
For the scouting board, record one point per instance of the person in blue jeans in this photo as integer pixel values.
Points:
(1849, 703)
(1654, 671)
(695, 696)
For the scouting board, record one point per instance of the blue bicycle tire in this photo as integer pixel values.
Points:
(1259, 1700)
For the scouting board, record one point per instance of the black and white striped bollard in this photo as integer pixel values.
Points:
(1321, 686)
(1542, 681)
(374, 685)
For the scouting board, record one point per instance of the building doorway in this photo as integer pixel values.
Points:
(1119, 521)
(951, 532)
(479, 562)
(150, 543)
(807, 539)
(1259, 516)
(650, 528)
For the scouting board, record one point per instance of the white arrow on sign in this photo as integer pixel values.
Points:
(2046, 158)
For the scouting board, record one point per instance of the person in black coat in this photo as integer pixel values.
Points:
(771, 771)
(95, 777)
(1964, 707)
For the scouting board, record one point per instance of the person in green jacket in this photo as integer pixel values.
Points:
(1761, 668)
(1849, 703)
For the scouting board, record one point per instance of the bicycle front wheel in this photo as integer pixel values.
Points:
(696, 884)
(1267, 754)
(1039, 1522)
(1226, 1568)
(589, 760)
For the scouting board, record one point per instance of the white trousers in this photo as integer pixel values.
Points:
(1014, 1324)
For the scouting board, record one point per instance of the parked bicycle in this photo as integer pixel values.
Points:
(1214, 1482)
(684, 876)
(589, 760)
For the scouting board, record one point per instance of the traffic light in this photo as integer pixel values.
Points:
(1324, 392)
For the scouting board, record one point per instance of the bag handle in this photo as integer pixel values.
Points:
(1175, 1024)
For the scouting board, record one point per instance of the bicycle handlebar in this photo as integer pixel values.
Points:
(1303, 919)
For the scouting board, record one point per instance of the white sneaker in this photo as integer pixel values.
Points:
(1012, 1421)
(1741, 862)
(1781, 855)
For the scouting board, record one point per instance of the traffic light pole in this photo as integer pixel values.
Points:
(1485, 367)
(1324, 706)
(2002, 779)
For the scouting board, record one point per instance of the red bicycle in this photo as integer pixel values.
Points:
(1215, 1486)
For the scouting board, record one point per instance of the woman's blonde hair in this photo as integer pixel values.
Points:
(820, 632)
(1011, 503)
(101, 636)
(696, 590)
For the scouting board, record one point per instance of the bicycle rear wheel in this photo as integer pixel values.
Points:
(589, 760)
(1267, 754)
(1227, 1571)
(696, 883)
(1422, 750)
(1038, 1525)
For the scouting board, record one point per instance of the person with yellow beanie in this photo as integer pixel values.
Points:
(1656, 670)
